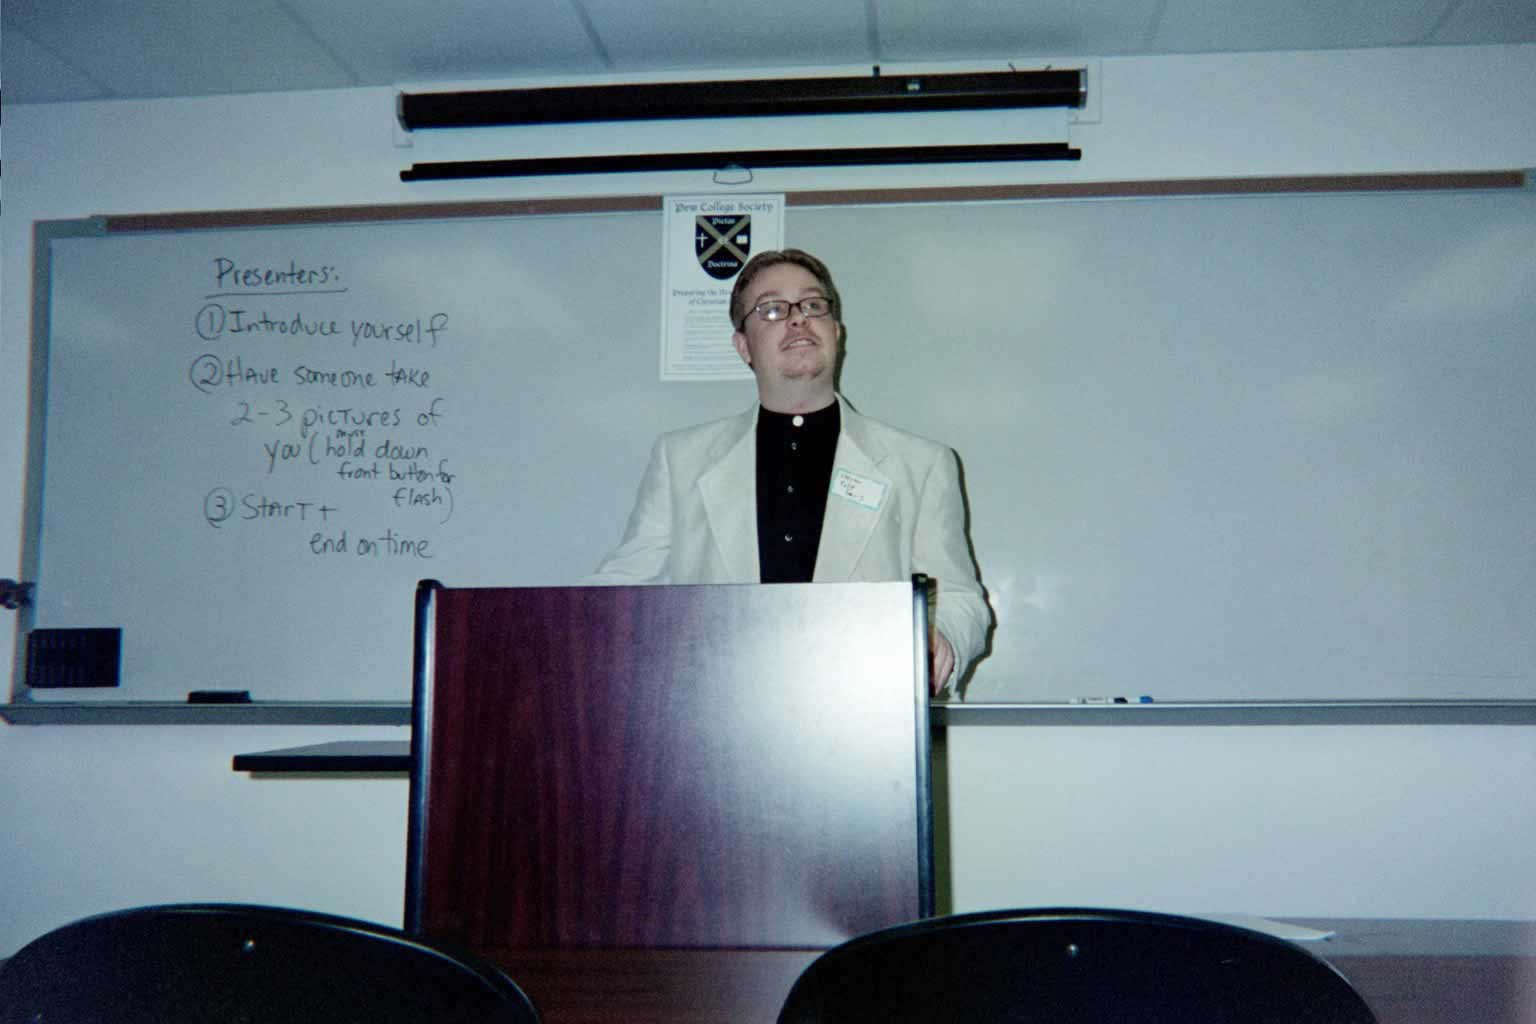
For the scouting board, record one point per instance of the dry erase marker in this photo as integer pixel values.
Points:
(1143, 699)
(219, 697)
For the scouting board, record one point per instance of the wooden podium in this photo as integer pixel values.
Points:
(687, 767)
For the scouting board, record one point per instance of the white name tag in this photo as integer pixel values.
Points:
(861, 490)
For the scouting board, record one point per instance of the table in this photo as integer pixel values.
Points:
(1438, 971)
(1410, 971)
(641, 986)
(337, 756)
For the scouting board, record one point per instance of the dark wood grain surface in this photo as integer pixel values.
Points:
(709, 766)
(640, 986)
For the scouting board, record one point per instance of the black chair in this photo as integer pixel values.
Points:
(228, 964)
(1075, 967)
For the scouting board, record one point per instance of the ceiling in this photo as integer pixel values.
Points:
(59, 50)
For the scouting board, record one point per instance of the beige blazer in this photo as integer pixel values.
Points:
(895, 509)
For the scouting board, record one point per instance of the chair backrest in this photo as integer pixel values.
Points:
(224, 963)
(669, 766)
(1072, 966)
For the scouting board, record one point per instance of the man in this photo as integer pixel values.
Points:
(801, 487)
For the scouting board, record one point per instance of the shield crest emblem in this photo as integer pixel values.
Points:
(722, 243)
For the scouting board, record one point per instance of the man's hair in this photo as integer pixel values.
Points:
(772, 258)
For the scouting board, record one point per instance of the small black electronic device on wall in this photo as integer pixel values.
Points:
(73, 658)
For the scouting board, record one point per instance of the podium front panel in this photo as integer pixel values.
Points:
(718, 766)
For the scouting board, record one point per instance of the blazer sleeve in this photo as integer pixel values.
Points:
(940, 550)
(643, 554)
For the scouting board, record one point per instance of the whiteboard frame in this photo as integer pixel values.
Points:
(24, 710)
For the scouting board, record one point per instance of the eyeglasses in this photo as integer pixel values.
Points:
(778, 309)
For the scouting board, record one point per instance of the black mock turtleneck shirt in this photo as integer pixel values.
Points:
(794, 471)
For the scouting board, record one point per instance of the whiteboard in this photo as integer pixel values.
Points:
(1252, 448)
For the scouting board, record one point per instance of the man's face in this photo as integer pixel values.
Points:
(798, 347)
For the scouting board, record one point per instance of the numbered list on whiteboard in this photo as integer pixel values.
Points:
(336, 408)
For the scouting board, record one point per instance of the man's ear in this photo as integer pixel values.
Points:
(739, 341)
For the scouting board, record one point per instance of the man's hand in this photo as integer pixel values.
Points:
(943, 663)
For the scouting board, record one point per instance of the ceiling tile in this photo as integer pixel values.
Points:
(33, 75)
(86, 49)
(916, 30)
(711, 34)
(388, 41)
(183, 47)
(1490, 21)
(1195, 26)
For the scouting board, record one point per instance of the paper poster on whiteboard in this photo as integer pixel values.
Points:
(705, 242)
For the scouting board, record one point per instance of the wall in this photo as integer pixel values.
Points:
(103, 817)
(1322, 821)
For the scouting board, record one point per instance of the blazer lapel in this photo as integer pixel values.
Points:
(729, 492)
(848, 524)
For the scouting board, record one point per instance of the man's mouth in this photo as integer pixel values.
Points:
(798, 343)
